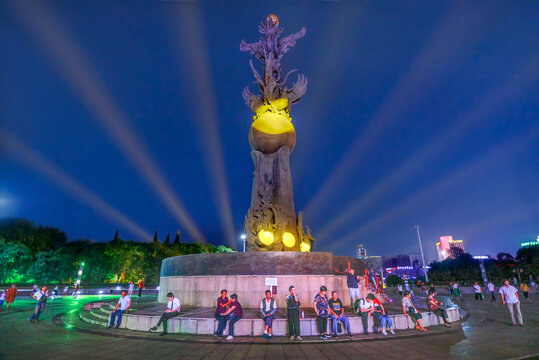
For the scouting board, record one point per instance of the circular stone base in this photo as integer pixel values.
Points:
(198, 279)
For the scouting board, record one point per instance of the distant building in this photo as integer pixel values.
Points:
(447, 247)
(403, 265)
(361, 252)
(530, 243)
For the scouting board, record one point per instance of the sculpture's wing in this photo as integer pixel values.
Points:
(252, 100)
(287, 42)
(298, 90)
(251, 48)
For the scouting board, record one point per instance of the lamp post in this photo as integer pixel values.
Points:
(244, 238)
(79, 275)
(422, 255)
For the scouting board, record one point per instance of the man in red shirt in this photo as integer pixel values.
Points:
(140, 287)
(432, 304)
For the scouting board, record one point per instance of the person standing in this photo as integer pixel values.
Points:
(41, 297)
(478, 292)
(399, 286)
(173, 309)
(123, 304)
(510, 297)
(409, 309)
(433, 306)
(491, 289)
(233, 314)
(525, 291)
(450, 288)
(292, 312)
(140, 287)
(66, 288)
(11, 295)
(268, 307)
(2, 298)
(352, 280)
(321, 307)
(130, 289)
(76, 290)
(337, 314)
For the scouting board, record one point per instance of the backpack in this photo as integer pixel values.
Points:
(358, 303)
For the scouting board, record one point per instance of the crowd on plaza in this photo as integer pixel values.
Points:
(229, 311)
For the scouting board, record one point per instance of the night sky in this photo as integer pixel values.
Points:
(129, 116)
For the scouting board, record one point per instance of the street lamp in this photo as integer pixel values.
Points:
(244, 238)
(422, 255)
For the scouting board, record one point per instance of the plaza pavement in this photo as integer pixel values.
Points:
(486, 334)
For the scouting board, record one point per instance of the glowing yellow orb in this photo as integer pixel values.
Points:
(265, 237)
(273, 20)
(305, 247)
(289, 240)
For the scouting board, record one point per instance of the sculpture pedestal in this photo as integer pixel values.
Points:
(198, 279)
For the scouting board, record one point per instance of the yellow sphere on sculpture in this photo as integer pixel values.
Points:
(289, 240)
(273, 20)
(265, 237)
(305, 247)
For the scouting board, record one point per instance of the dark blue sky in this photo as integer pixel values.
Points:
(129, 116)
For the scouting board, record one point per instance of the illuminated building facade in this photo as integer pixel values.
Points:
(404, 266)
(447, 247)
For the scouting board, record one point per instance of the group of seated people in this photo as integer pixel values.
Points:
(230, 311)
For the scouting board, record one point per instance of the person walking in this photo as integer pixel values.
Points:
(409, 309)
(433, 306)
(41, 296)
(337, 314)
(268, 307)
(450, 288)
(478, 292)
(11, 295)
(130, 289)
(292, 312)
(173, 309)
(2, 298)
(456, 290)
(66, 288)
(124, 303)
(525, 291)
(76, 290)
(509, 295)
(233, 314)
(321, 307)
(140, 287)
(491, 289)
(352, 281)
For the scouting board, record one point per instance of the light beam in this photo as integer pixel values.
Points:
(190, 32)
(527, 74)
(459, 29)
(476, 165)
(66, 183)
(71, 63)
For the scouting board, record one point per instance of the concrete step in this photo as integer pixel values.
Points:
(89, 318)
(101, 314)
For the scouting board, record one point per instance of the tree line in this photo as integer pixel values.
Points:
(32, 253)
(466, 270)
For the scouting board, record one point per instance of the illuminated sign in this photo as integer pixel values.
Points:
(529, 243)
(481, 257)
